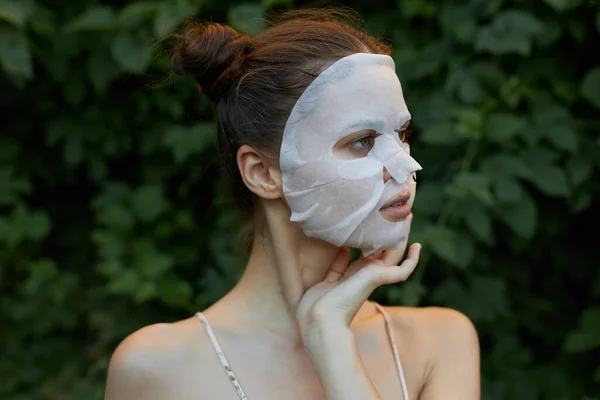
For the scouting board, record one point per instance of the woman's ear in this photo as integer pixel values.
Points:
(260, 174)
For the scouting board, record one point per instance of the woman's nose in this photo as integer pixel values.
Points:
(386, 175)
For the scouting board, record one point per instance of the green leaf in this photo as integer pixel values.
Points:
(511, 31)
(562, 137)
(469, 122)
(503, 164)
(480, 225)
(502, 127)
(115, 216)
(267, 4)
(125, 282)
(551, 180)
(492, 300)
(489, 74)
(409, 293)
(75, 90)
(521, 217)
(16, 12)
(110, 246)
(576, 28)
(97, 17)
(23, 223)
(456, 249)
(546, 175)
(430, 197)
(11, 187)
(175, 293)
(555, 124)
(586, 336)
(102, 69)
(15, 58)
(580, 201)
(470, 92)
(73, 152)
(489, 291)
(579, 169)
(563, 5)
(590, 86)
(472, 181)
(41, 272)
(487, 8)
(169, 15)
(550, 35)
(459, 20)
(149, 203)
(511, 92)
(185, 142)
(427, 61)
(416, 8)
(247, 17)
(131, 51)
(134, 13)
(507, 189)
(148, 261)
(440, 133)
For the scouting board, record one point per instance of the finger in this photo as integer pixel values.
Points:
(355, 290)
(356, 265)
(393, 257)
(338, 266)
(376, 276)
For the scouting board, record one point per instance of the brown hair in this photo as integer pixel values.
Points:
(257, 80)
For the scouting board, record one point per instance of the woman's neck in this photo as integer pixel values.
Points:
(283, 264)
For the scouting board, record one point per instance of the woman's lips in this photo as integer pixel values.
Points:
(396, 212)
(397, 208)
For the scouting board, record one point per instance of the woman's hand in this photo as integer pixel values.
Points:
(337, 298)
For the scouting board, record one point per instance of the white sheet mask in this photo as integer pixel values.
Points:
(338, 200)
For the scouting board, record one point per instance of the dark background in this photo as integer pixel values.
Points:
(113, 215)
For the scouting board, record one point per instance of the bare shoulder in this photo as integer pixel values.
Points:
(443, 326)
(448, 343)
(150, 361)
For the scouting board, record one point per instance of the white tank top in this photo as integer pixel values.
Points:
(238, 387)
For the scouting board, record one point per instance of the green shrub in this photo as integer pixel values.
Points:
(114, 215)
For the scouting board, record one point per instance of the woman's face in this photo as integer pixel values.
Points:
(358, 145)
(343, 158)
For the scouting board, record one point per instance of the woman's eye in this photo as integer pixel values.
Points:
(364, 143)
(404, 134)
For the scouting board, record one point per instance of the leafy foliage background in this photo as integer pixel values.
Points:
(113, 215)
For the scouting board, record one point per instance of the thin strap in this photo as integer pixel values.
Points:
(219, 351)
(395, 349)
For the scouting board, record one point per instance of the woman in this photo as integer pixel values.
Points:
(312, 124)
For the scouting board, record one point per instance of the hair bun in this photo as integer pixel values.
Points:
(212, 53)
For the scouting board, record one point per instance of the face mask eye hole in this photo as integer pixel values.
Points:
(356, 145)
(414, 176)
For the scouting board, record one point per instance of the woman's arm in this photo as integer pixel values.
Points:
(454, 350)
(337, 362)
(325, 311)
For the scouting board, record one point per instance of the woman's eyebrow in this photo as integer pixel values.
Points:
(377, 124)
